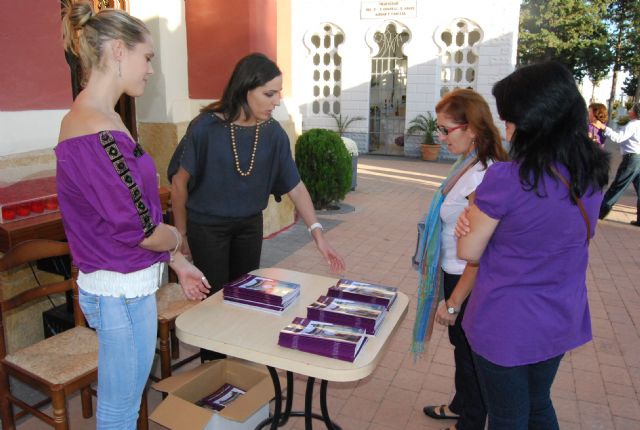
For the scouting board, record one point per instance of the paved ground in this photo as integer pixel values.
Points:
(598, 385)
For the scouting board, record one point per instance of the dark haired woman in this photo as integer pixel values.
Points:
(233, 156)
(529, 228)
(466, 126)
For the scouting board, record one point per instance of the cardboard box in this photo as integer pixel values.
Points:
(179, 412)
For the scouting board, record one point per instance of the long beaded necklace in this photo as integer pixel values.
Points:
(234, 148)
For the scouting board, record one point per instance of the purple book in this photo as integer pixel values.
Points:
(258, 288)
(329, 340)
(364, 292)
(254, 305)
(220, 398)
(368, 316)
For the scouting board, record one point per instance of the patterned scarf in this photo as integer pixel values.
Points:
(430, 275)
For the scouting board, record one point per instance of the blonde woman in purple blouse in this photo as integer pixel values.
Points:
(530, 233)
(108, 192)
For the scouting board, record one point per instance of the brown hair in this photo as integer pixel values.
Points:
(599, 111)
(468, 107)
(85, 32)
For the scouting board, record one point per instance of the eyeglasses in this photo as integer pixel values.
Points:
(446, 130)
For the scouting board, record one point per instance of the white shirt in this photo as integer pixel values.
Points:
(453, 205)
(628, 137)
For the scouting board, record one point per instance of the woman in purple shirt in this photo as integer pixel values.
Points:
(108, 193)
(529, 228)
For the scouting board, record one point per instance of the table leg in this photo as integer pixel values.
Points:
(278, 398)
(280, 418)
(308, 404)
(323, 407)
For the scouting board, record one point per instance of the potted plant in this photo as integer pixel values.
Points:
(342, 123)
(427, 126)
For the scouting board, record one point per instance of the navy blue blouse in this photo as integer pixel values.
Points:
(216, 189)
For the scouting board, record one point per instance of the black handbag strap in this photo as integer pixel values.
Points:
(583, 211)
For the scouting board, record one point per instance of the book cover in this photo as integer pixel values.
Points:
(364, 292)
(330, 340)
(220, 398)
(347, 312)
(260, 288)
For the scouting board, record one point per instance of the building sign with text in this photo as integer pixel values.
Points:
(388, 9)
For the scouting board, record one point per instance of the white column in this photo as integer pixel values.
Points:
(166, 98)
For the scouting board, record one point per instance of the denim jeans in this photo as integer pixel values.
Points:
(628, 173)
(467, 401)
(519, 397)
(127, 331)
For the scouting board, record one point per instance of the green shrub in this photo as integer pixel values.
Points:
(324, 165)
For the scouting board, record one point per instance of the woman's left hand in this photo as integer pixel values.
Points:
(190, 278)
(443, 317)
(333, 259)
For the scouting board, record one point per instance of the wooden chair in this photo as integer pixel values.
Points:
(171, 303)
(57, 366)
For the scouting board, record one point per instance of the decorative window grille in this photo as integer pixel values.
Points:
(387, 95)
(458, 44)
(326, 68)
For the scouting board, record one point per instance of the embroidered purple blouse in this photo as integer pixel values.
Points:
(529, 302)
(108, 207)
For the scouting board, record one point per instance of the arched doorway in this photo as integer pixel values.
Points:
(388, 90)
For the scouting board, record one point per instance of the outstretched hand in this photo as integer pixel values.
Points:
(333, 259)
(190, 278)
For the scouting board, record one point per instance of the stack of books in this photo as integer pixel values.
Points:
(329, 340)
(364, 292)
(220, 398)
(257, 292)
(335, 310)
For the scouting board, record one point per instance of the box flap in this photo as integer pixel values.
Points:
(178, 414)
(257, 396)
(176, 381)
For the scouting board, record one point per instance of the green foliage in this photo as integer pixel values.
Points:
(630, 86)
(343, 123)
(324, 165)
(573, 32)
(425, 125)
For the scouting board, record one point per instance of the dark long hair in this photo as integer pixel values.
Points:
(468, 107)
(550, 118)
(251, 72)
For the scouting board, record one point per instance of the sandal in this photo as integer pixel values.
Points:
(438, 413)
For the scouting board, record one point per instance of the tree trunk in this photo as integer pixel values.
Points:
(612, 95)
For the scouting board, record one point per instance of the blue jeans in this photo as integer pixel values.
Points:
(519, 397)
(628, 173)
(127, 331)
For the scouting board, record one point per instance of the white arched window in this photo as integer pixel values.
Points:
(458, 43)
(326, 67)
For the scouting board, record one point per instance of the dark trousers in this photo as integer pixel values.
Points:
(519, 397)
(467, 401)
(628, 173)
(225, 251)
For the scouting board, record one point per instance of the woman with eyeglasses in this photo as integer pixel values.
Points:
(466, 126)
(529, 229)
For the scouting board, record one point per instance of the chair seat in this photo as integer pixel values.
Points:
(172, 302)
(61, 358)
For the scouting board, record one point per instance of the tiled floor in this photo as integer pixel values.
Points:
(598, 385)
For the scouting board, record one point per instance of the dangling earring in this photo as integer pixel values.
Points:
(119, 70)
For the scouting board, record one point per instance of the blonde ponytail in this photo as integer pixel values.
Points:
(85, 32)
